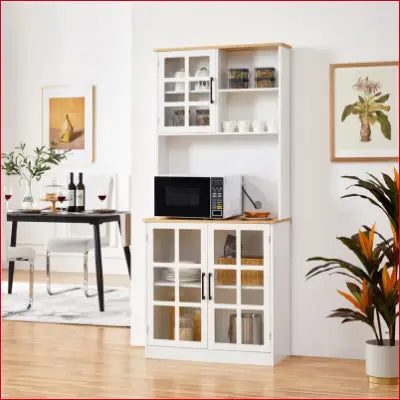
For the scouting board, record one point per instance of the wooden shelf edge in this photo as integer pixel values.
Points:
(214, 221)
(230, 47)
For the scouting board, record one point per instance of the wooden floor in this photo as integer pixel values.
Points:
(71, 361)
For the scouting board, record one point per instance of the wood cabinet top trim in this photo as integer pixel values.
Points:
(232, 47)
(214, 221)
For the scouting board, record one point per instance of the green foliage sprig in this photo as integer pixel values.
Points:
(19, 162)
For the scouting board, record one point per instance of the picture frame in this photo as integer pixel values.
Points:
(68, 120)
(363, 112)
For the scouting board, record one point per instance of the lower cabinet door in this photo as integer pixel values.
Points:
(239, 297)
(177, 302)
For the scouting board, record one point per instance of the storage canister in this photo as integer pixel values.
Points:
(265, 73)
(238, 78)
(265, 82)
(251, 328)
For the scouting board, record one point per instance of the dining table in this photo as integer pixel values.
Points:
(96, 219)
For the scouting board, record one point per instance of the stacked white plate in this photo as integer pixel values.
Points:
(168, 275)
(185, 275)
(189, 276)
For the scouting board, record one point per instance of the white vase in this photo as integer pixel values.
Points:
(381, 362)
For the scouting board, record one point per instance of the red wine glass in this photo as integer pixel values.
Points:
(61, 197)
(102, 196)
(7, 194)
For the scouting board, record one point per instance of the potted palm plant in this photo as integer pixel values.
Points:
(373, 288)
(30, 166)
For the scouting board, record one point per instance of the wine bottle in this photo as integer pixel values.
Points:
(80, 194)
(71, 193)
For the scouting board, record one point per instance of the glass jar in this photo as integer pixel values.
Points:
(203, 117)
(178, 118)
(238, 78)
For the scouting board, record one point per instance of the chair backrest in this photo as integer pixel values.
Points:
(94, 183)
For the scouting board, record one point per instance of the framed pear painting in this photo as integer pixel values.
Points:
(364, 105)
(67, 120)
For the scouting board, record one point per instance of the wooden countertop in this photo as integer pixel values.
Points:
(234, 47)
(236, 220)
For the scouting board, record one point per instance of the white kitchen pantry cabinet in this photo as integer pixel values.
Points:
(218, 291)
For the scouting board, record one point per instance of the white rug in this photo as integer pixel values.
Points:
(69, 308)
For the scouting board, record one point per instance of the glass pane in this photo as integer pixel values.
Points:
(163, 245)
(252, 287)
(199, 66)
(225, 286)
(190, 285)
(190, 246)
(190, 324)
(164, 284)
(225, 326)
(164, 322)
(174, 67)
(252, 327)
(199, 91)
(174, 116)
(174, 92)
(225, 247)
(199, 116)
(252, 248)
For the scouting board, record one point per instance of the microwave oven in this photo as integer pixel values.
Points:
(198, 196)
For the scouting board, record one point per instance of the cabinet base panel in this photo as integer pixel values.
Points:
(207, 355)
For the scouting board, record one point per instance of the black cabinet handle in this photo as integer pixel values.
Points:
(203, 296)
(209, 286)
(211, 91)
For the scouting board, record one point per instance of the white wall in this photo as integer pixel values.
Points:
(320, 34)
(69, 43)
(111, 45)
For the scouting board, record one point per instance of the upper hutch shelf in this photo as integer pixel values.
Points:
(225, 109)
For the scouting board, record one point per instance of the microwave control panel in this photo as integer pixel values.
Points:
(217, 197)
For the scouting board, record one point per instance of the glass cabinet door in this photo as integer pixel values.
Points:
(238, 316)
(187, 91)
(178, 303)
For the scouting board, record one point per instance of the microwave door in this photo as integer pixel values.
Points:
(187, 197)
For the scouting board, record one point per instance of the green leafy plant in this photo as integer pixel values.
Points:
(30, 166)
(374, 286)
(370, 108)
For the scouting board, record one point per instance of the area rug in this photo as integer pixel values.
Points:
(68, 308)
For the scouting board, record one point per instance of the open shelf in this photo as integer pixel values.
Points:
(218, 134)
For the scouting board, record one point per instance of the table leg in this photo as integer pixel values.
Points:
(99, 266)
(11, 264)
(127, 252)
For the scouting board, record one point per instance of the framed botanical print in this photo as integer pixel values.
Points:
(364, 111)
(67, 120)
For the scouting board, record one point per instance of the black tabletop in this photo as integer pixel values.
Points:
(86, 217)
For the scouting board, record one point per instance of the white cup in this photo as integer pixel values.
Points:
(258, 126)
(244, 126)
(229, 126)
